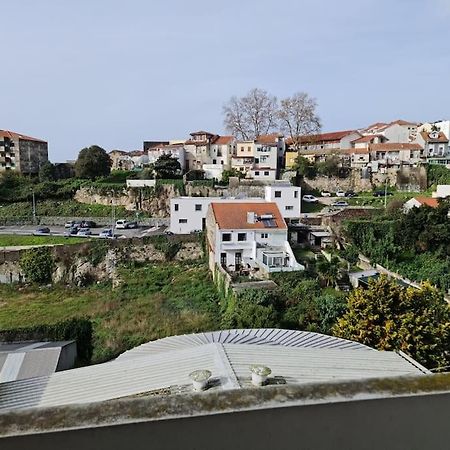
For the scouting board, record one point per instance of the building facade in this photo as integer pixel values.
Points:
(23, 154)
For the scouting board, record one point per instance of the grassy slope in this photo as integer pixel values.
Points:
(153, 302)
(8, 240)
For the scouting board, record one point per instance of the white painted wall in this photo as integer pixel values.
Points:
(287, 198)
(141, 183)
(442, 191)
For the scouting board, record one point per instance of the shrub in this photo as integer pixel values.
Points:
(38, 265)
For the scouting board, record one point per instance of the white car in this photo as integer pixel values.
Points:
(340, 193)
(121, 224)
(310, 199)
(325, 194)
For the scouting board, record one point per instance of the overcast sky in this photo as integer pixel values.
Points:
(116, 72)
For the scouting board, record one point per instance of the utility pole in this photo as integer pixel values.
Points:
(385, 192)
(34, 207)
(113, 217)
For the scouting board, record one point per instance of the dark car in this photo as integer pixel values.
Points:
(42, 230)
(131, 225)
(350, 194)
(88, 224)
(381, 193)
(72, 231)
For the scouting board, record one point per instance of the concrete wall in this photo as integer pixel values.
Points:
(271, 419)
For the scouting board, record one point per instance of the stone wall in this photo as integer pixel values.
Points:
(81, 264)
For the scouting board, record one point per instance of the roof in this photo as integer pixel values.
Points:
(224, 140)
(368, 138)
(426, 137)
(195, 133)
(334, 136)
(230, 216)
(359, 151)
(402, 122)
(15, 136)
(21, 360)
(163, 367)
(432, 202)
(394, 147)
(268, 138)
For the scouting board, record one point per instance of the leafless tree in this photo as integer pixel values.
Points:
(251, 116)
(298, 117)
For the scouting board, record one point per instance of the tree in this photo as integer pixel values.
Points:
(329, 167)
(166, 166)
(304, 168)
(47, 172)
(251, 116)
(328, 270)
(226, 174)
(38, 265)
(387, 316)
(92, 162)
(298, 117)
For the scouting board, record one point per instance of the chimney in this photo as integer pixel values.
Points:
(259, 374)
(200, 379)
(251, 217)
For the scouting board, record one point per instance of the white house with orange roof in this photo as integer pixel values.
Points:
(249, 236)
(417, 202)
(398, 131)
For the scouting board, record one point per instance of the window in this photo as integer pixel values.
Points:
(182, 220)
(226, 237)
(289, 208)
(266, 174)
(198, 207)
(214, 161)
(257, 173)
(242, 237)
(277, 194)
(249, 149)
(264, 236)
(223, 259)
(295, 194)
(176, 206)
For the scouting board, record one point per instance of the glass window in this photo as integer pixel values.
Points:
(176, 206)
(264, 235)
(242, 237)
(226, 237)
(289, 208)
(295, 194)
(198, 207)
(257, 173)
(278, 194)
(182, 220)
(266, 174)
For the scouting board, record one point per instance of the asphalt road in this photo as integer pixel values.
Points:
(27, 230)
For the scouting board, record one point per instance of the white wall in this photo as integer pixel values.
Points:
(442, 191)
(290, 196)
(141, 183)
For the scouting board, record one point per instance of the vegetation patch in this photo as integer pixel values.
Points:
(15, 240)
(37, 265)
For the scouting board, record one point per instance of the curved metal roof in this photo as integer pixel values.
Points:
(251, 336)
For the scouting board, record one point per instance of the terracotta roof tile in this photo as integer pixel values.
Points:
(13, 135)
(394, 147)
(268, 138)
(334, 136)
(368, 138)
(233, 216)
(426, 137)
(224, 140)
(432, 202)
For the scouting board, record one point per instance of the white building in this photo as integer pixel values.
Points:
(417, 202)
(175, 150)
(188, 214)
(399, 131)
(442, 191)
(249, 236)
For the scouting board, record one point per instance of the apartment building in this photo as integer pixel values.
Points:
(249, 236)
(398, 131)
(188, 214)
(21, 153)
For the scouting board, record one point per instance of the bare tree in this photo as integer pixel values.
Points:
(298, 117)
(251, 116)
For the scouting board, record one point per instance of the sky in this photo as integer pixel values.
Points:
(115, 73)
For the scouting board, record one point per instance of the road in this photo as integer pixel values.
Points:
(27, 230)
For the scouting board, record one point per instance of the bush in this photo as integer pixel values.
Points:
(38, 265)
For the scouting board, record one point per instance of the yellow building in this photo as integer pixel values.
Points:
(290, 159)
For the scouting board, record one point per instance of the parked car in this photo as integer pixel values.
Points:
(168, 232)
(69, 224)
(325, 194)
(381, 193)
(131, 225)
(310, 199)
(88, 224)
(340, 204)
(72, 231)
(84, 232)
(42, 230)
(340, 193)
(106, 233)
(350, 194)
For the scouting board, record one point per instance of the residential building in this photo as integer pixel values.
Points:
(434, 143)
(198, 149)
(220, 154)
(177, 151)
(23, 154)
(391, 153)
(249, 236)
(399, 131)
(442, 191)
(188, 214)
(148, 145)
(133, 160)
(337, 140)
(417, 202)
(364, 141)
(359, 157)
(440, 125)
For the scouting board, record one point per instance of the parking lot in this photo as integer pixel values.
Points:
(27, 230)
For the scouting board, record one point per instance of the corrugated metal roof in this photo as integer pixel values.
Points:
(256, 336)
(294, 357)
